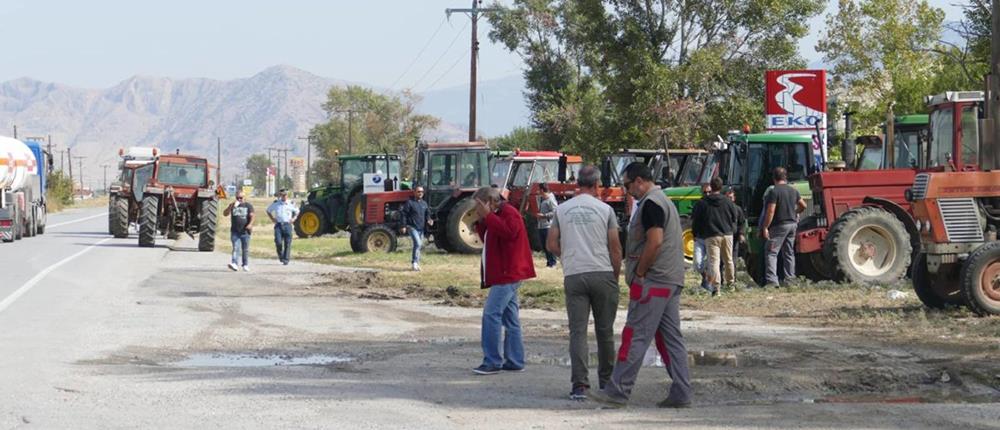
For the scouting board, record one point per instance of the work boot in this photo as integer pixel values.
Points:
(600, 396)
(671, 403)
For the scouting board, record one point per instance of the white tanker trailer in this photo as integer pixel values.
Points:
(22, 189)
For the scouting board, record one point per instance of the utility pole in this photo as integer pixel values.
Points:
(474, 14)
(350, 126)
(218, 168)
(15, 131)
(79, 159)
(989, 157)
(309, 142)
(105, 166)
(281, 151)
(69, 159)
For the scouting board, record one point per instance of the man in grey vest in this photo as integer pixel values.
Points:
(654, 272)
(584, 232)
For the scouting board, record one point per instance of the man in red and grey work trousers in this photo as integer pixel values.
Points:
(654, 271)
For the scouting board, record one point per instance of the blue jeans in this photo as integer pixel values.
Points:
(550, 258)
(501, 310)
(241, 247)
(417, 236)
(283, 241)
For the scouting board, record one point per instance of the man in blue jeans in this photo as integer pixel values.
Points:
(241, 226)
(283, 213)
(416, 216)
(506, 262)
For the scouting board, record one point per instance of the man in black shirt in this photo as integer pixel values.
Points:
(781, 214)
(715, 218)
(241, 221)
(416, 216)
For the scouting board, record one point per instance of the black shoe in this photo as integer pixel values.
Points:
(600, 396)
(578, 392)
(671, 403)
(508, 368)
(486, 370)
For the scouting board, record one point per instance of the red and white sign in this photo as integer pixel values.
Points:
(796, 103)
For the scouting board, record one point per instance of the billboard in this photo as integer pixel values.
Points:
(796, 103)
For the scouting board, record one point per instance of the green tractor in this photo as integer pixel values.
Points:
(746, 165)
(339, 206)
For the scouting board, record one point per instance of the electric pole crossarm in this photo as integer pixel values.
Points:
(474, 14)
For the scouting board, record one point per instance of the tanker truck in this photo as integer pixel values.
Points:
(22, 189)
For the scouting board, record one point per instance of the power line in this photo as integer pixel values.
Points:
(452, 67)
(419, 54)
(443, 54)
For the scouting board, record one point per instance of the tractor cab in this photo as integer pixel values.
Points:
(747, 163)
(954, 131)
(443, 168)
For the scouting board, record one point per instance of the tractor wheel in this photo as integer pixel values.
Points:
(147, 221)
(868, 245)
(356, 240)
(378, 238)
(111, 214)
(119, 218)
(923, 284)
(441, 241)
(531, 227)
(813, 267)
(310, 223)
(356, 212)
(207, 221)
(755, 267)
(981, 280)
(687, 239)
(461, 235)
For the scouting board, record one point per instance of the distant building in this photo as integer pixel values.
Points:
(297, 165)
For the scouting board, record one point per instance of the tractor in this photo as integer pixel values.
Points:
(176, 197)
(862, 229)
(515, 173)
(123, 201)
(337, 206)
(449, 173)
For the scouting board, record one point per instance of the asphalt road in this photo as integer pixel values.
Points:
(96, 332)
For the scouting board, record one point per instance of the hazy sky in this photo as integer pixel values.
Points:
(98, 43)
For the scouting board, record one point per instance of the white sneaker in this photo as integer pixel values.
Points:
(233, 267)
(246, 268)
(416, 267)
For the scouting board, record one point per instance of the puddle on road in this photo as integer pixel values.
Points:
(259, 360)
(652, 359)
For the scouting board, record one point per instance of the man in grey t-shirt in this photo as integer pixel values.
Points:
(584, 232)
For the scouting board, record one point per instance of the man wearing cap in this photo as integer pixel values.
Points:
(283, 213)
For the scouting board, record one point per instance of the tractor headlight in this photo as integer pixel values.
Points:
(918, 224)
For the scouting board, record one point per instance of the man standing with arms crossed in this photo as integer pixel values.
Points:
(241, 226)
(782, 206)
(654, 271)
(283, 213)
(416, 218)
(584, 232)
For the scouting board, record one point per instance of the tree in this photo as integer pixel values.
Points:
(381, 123)
(883, 53)
(612, 73)
(967, 61)
(519, 138)
(257, 165)
(58, 190)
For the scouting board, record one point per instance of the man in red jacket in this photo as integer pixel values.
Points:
(506, 262)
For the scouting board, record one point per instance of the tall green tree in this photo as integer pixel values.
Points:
(966, 61)
(613, 73)
(519, 138)
(257, 169)
(883, 52)
(367, 121)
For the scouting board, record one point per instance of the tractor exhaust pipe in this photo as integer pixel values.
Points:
(849, 147)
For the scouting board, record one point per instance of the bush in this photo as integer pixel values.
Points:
(59, 190)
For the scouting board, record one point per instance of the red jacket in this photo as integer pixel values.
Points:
(507, 258)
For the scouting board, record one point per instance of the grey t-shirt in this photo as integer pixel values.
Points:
(546, 208)
(583, 224)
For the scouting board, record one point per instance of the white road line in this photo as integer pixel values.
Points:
(76, 220)
(33, 281)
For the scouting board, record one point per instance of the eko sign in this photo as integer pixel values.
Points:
(796, 103)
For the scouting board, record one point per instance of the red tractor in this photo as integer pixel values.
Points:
(516, 173)
(861, 228)
(177, 197)
(450, 173)
(123, 200)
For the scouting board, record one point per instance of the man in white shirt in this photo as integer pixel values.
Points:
(283, 213)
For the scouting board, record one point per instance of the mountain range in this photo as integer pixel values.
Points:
(269, 109)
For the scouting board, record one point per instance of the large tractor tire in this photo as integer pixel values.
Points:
(441, 241)
(755, 267)
(461, 235)
(378, 238)
(148, 220)
(208, 219)
(868, 245)
(355, 240)
(981, 280)
(310, 223)
(813, 266)
(937, 290)
(119, 218)
(356, 212)
(687, 239)
(534, 241)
